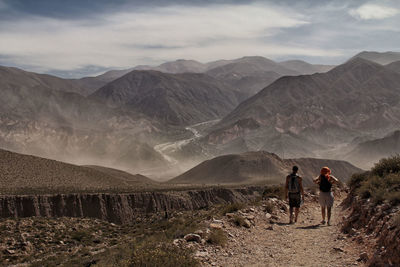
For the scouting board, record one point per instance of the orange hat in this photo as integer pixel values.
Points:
(325, 171)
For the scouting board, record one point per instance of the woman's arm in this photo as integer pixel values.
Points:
(334, 180)
(317, 180)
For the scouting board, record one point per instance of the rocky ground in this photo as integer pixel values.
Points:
(257, 234)
(266, 239)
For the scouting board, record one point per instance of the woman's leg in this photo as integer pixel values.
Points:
(323, 213)
(329, 215)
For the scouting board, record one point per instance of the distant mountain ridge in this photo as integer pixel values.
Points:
(260, 167)
(382, 58)
(256, 79)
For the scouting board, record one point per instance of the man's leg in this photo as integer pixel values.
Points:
(329, 215)
(323, 213)
(296, 213)
(290, 214)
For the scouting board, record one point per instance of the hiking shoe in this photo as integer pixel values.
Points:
(323, 222)
(329, 223)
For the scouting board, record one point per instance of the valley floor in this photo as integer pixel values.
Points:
(306, 243)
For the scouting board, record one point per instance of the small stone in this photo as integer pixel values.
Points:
(252, 209)
(200, 233)
(246, 223)
(250, 217)
(268, 215)
(363, 257)
(9, 251)
(192, 237)
(176, 242)
(270, 228)
(231, 235)
(217, 221)
(230, 215)
(201, 254)
(215, 226)
(338, 249)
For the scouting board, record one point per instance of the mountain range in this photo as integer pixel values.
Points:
(120, 118)
(249, 74)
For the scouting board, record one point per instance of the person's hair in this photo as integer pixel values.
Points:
(295, 168)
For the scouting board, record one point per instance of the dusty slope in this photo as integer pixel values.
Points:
(259, 167)
(306, 243)
(366, 153)
(18, 171)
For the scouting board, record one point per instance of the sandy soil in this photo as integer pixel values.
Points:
(305, 243)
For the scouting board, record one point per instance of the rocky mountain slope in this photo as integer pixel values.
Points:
(178, 99)
(26, 173)
(395, 66)
(260, 167)
(94, 83)
(352, 99)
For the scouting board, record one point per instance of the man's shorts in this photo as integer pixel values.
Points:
(326, 199)
(294, 200)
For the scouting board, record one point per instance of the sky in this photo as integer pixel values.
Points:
(76, 38)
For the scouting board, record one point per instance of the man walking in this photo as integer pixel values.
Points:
(294, 193)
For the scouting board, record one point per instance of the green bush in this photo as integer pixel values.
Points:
(381, 184)
(356, 179)
(387, 166)
(217, 237)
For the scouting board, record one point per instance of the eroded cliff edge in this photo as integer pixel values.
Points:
(121, 208)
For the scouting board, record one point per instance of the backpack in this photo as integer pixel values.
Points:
(294, 184)
(324, 185)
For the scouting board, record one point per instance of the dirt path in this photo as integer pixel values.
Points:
(306, 243)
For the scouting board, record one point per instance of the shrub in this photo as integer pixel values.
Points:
(238, 220)
(356, 179)
(80, 236)
(276, 191)
(387, 166)
(232, 208)
(164, 254)
(396, 220)
(269, 207)
(217, 237)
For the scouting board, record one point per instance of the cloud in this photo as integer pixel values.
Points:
(373, 11)
(125, 39)
(119, 37)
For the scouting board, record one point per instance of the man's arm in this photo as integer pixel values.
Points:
(301, 187)
(317, 180)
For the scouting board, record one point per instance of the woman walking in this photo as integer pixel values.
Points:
(325, 181)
